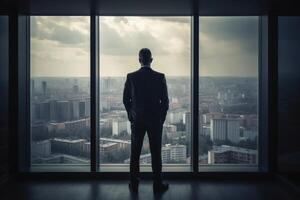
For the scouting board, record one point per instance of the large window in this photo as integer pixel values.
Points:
(121, 38)
(60, 100)
(60, 91)
(228, 90)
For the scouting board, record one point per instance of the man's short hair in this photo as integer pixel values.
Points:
(145, 55)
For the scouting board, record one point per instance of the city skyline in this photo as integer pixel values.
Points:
(60, 117)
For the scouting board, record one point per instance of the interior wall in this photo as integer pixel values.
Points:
(4, 98)
(289, 94)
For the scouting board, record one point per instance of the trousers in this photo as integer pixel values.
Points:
(154, 132)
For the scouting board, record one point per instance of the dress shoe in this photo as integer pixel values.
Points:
(160, 187)
(133, 187)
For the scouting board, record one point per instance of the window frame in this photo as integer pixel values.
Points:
(265, 142)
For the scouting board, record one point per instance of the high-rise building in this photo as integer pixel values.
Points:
(187, 121)
(233, 130)
(169, 153)
(109, 147)
(250, 134)
(231, 155)
(225, 129)
(119, 126)
(175, 116)
(105, 104)
(41, 149)
(122, 144)
(38, 131)
(67, 146)
(75, 89)
(53, 109)
(44, 88)
(63, 110)
(169, 128)
(45, 111)
(88, 107)
(32, 88)
(218, 129)
(178, 153)
(204, 130)
(74, 125)
(35, 111)
(74, 109)
(206, 118)
(82, 109)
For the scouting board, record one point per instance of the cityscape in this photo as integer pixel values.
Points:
(60, 121)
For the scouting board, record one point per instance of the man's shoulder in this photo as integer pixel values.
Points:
(158, 73)
(137, 72)
(130, 74)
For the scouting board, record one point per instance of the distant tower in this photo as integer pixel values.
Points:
(44, 87)
(76, 89)
(32, 87)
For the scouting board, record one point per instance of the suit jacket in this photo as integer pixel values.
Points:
(146, 96)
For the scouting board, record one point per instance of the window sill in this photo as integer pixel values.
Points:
(143, 168)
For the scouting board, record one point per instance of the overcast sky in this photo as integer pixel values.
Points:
(228, 45)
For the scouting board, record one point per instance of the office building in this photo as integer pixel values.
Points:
(232, 155)
(120, 126)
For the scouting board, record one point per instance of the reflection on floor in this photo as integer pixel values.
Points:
(118, 189)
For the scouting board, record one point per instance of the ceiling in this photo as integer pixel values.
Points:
(150, 7)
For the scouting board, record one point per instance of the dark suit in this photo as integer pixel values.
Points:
(146, 101)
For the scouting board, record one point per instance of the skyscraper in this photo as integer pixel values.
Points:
(87, 107)
(63, 110)
(32, 88)
(225, 129)
(53, 110)
(74, 109)
(45, 111)
(44, 88)
(75, 89)
(119, 126)
(82, 109)
(188, 124)
(233, 130)
(218, 129)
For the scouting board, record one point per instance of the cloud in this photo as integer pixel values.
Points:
(122, 38)
(113, 43)
(60, 46)
(228, 45)
(59, 29)
(239, 30)
(126, 35)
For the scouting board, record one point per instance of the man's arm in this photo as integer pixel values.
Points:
(164, 99)
(127, 101)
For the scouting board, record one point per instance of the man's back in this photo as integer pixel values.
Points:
(145, 96)
(146, 101)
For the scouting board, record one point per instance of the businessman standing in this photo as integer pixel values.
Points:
(146, 101)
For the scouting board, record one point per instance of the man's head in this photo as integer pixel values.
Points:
(145, 56)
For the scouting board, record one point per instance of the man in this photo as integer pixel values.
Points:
(146, 101)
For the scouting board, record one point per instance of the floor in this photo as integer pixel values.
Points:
(118, 189)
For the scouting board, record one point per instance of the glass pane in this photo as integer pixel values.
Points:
(228, 90)
(60, 93)
(121, 38)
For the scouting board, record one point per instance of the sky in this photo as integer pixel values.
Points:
(228, 45)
